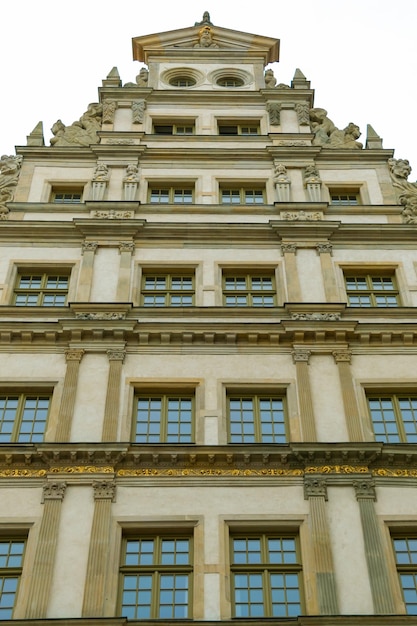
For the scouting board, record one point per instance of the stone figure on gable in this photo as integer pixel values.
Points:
(205, 39)
(9, 175)
(328, 135)
(270, 80)
(400, 170)
(81, 133)
(141, 79)
(205, 20)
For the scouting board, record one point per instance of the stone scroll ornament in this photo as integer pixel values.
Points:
(9, 175)
(400, 170)
(82, 132)
(326, 134)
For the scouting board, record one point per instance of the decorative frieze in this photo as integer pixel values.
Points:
(104, 490)
(9, 175)
(316, 317)
(303, 113)
(138, 111)
(53, 491)
(109, 109)
(315, 487)
(307, 216)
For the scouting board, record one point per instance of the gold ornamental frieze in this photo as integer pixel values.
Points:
(81, 469)
(210, 472)
(23, 473)
(395, 473)
(337, 469)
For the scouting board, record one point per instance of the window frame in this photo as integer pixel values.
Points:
(241, 192)
(375, 394)
(243, 127)
(8, 536)
(256, 395)
(164, 394)
(404, 568)
(265, 568)
(370, 274)
(175, 125)
(168, 292)
(248, 292)
(351, 192)
(159, 534)
(45, 274)
(28, 391)
(170, 190)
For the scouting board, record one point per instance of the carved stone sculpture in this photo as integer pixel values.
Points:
(141, 79)
(400, 170)
(274, 110)
(282, 182)
(303, 113)
(328, 135)
(9, 175)
(205, 38)
(270, 80)
(81, 133)
(109, 109)
(138, 111)
(130, 182)
(205, 20)
(313, 183)
(99, 181)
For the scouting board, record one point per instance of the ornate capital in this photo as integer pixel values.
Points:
(323, 248)
(116, 355)
(342, 356)
(315, 487)
(126, 246)
(301, 356)
(365, 489)
(288, 248)
(74, 355)
(104, 490)
(54, 491)
(109, 109)
(303, 113)
(89, 246)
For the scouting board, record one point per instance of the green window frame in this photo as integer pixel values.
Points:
(12, 550)
(266, 575)
(23, 417)
(238, 128)
(67, 196)
(176, 289)
(344, 197)
(242, 195)
(372, 290)
(185, 127)
(250, 289)
(156, 577)
(41, 288)
(405, 550)
(167, 194)
(259, 418)
(394, 417)
(164, 418)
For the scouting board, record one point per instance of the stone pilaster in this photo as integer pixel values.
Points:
(288, 251)
(98, 555)
(300, 358)
(111, 410)
(343, 358)
(126, 250)
(315, 491)
(382, 594)
(43, 566)
(66, 410)
(89, 248)
(324, 250)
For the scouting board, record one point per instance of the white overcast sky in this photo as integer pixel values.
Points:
(360, 56)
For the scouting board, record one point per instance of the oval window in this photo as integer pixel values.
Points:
(230, 81)
(182, 81)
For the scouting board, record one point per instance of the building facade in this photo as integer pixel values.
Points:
(208, 347)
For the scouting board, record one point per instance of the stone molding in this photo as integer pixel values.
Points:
(126, 246)
(89, 246)
(324, 248)
(301, 356)
(74, 355)
(342, 356)
(116, 355)
(288, 248)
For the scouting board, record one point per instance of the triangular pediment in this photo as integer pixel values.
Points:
(202, 39)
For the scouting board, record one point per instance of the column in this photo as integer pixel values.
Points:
(288, 251)
(315, 491)
(88, 251)
(126, 249)
(342, 358)
(324, 250)
(374, 551)
(300, 358)
(111, 410)
(66, 410)
(43, 566)
(97, 565)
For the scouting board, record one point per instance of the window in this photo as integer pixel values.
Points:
(242, 195)
(165, 290)
(344, 197)
(230, 81)
(405, 549)
(167, 418)
(171, 195)
(394, 418)
(11, 562)
(266, 573)
(67, 195)
(182, 81)
(256, 419)
(179, 128)
(23, 417)
(41, 289)
(156, 577)
(372, 290)
(238, 128)
(241, 289)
